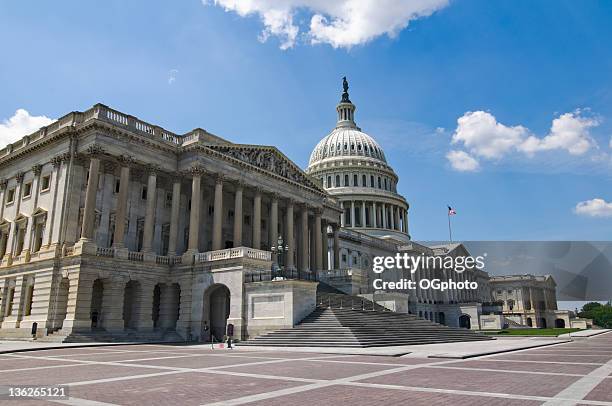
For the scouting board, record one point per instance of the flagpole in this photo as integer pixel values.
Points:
(450, 233)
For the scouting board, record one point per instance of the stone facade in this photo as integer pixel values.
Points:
(530, 301)
(111, 223)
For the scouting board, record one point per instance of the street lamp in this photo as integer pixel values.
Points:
(279, 249)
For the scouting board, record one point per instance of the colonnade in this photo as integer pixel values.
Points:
(371, 214)
(306, 239)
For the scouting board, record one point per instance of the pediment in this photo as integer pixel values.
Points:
(268, 159)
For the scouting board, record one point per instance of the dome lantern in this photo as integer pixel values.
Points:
(345, 109)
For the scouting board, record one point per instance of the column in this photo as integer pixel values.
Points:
(364, 223)
(374, 216)
(353, 213)
(342, 219)
(174, 216)
(122, 201)
(194, 216)
(312, 245)
(89, 212)
(392, 210)
(384, 216)
(289, 264)
(336, 231)
(325, 249)
(406, 221)
(318, 241)
(112, 303)
(218, 215)
(149, 225)
(238, 215)
(274, 226)
(257, 220)
(304, 239)
(531, 304)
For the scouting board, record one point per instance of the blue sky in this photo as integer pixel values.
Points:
(522, 64)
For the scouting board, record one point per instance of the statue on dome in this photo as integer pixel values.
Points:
(345, 86)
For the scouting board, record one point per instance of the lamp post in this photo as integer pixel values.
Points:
(279, 249)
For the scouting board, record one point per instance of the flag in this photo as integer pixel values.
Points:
(451, 211)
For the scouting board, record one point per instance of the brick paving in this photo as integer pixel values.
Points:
(579, 372)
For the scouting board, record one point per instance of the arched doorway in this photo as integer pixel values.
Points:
(529, 322)
(442, 318)
(217, 309)
(559, 323)
(542, 322)
(130, 310)
(96, 303)
(156, 305)
(60, 305)
(464, 321)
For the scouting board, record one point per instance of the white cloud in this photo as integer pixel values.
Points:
(594, 208)
(569, 131)
(340, 23)
(20, 124)
(482, 135)
(480, 132)
(462, 161)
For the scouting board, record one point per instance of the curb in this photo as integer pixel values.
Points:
(480, 354)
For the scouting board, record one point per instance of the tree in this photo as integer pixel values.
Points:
(601, 314)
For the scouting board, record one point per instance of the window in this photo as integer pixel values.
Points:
(371, 180)
(355, 180)
(45, 183)
(27, 189)
(247, 220)
(346, 180)
(343, 257)
(499, 292)
(329, 184)
(10, 197)
(385, 183)
(211, 210)
(117, 185)
(230, 215)
(379, 184)
(337, 181)
(143, 194)
(364, 181)
(168, 199)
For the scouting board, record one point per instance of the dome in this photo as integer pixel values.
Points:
(346, 141)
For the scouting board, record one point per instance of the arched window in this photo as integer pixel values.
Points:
(337, 180)
(346, 180)
(329, 184)
(379, 184)
(355, 180)
(364, 180)
(371, 180)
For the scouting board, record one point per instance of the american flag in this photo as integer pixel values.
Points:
(451, 211)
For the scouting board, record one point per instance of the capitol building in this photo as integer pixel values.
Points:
(113, 228)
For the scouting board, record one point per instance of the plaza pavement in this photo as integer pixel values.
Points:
(576, 372)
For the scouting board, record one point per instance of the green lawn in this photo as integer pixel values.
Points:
(531, 331)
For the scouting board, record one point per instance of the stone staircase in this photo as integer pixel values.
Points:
(342, 320)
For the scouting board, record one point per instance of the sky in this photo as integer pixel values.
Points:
(500, 109)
